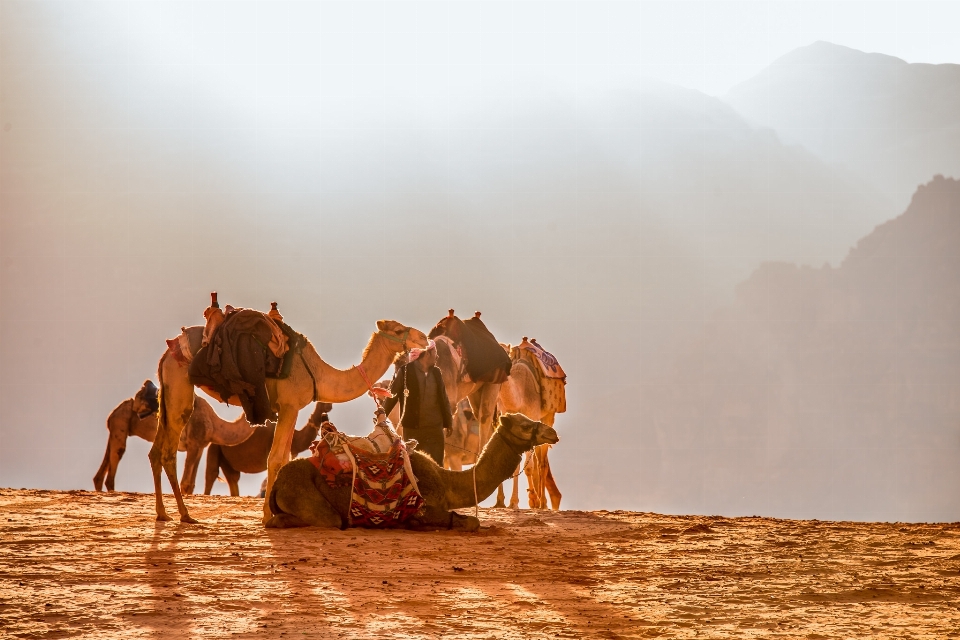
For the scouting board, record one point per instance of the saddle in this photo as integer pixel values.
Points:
(244, 347)
(547, 372)
(483, 357)
(384, 491)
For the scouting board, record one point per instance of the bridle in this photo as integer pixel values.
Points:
(390, 336)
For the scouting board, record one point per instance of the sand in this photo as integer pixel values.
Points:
(97, 565)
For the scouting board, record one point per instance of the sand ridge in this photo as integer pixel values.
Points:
(82, 564)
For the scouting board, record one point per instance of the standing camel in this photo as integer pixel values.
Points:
(481, 395)
(311, 379)
(137, 416)
(520, 393)
(250, 456)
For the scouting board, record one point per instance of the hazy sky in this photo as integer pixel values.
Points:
(708, 46)
(506, 136)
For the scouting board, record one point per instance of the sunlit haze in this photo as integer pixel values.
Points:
(664, 194)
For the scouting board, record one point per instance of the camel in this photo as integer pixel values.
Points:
(205, 427)
(311, 379)
(462, 443)
(481, 395)
(250, 456)
(521, 393)
(301, 496)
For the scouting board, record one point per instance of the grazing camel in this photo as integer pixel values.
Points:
(137, 416)
(311, 379)
(301, 496)
(481, 395)
(250, 456)
(520, 393)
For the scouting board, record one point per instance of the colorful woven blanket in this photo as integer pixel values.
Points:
(548, 363)
(384, 492)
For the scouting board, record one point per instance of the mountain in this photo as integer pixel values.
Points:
(827, 391)
(896, 124)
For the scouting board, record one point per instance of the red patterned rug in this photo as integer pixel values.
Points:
(384, 493)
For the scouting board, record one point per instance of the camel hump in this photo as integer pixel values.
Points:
(486, 359)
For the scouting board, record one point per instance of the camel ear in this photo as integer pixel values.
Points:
(382, 325)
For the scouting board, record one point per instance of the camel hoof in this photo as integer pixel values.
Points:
(162, 517)
(185, 518)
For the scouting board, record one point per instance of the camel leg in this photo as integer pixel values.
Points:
(515, 497)
(279, 452)
(176, 406)
(190, 468)
(118, 448)
(233, 478)
(434, 518)
(500, 504)
(116, 445)
(532, 471)
(102, 471)
(551, 485)
(540, 453)
(212, 470)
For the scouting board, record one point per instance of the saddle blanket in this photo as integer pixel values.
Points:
(548, 363)
(384, 492)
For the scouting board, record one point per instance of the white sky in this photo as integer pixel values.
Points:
(728, 42)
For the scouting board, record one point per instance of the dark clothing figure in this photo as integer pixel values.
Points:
(425, 413)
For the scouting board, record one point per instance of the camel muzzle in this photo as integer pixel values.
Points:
(547, 435)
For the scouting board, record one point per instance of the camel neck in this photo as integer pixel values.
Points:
(497, 462)
(303, 437)
(344, 385)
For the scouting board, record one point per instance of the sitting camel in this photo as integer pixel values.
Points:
(137, 416)
(301, 497)
(310, 379)
(250, 456)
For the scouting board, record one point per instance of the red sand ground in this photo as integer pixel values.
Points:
(97, 565)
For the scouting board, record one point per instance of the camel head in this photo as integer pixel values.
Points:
(450, 326)
(523, 434)
(145, 402)
(318, 411)
(400, 337)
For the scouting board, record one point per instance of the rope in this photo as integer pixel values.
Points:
(366, 380)
(307, 367)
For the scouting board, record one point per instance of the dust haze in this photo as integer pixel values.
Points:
(741, 256)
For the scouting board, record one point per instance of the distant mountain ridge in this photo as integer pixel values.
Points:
(840, 380)
(897, 124)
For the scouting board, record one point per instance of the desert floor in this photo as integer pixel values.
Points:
(97, 565)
